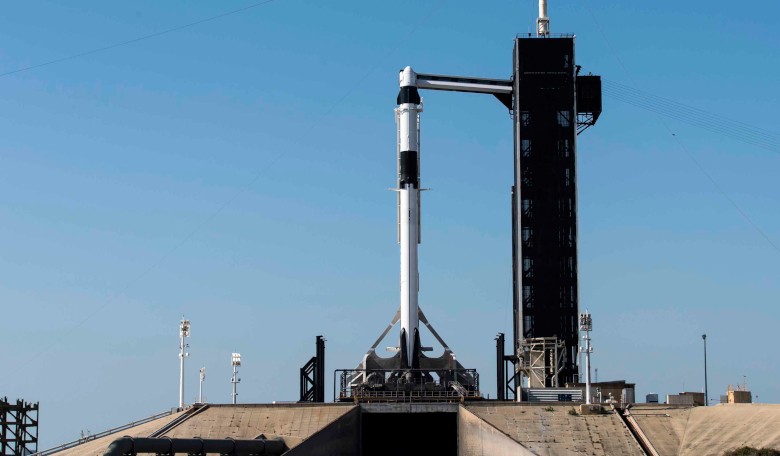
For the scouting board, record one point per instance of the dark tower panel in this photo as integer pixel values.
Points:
(546, 291)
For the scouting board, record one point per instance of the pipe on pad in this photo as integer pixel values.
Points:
(126, 446)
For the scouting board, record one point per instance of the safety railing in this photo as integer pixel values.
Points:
(406, 384)
(549, 35)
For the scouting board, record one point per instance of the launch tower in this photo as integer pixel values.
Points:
(550, 103)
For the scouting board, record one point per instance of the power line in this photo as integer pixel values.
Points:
(683, 107)
(230, 200)
(713, 122)
(692, 117)
(135, 40)
(758, 142)
(675, 136)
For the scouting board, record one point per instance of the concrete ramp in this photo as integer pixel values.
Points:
(476, 437)
(294, 423)
(663, 426)
(555, 432)
(708, 430)
(98, 447)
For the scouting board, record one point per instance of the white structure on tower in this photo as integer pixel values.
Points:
(184, 331)
(543, 22)
(235, 361)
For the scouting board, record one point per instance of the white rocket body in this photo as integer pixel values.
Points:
(407, 116)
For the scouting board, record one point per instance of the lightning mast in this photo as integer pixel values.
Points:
(184, 331)
(543, 22)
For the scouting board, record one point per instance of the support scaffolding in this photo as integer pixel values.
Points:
(542, 360)
(313, 375)
(18, 427)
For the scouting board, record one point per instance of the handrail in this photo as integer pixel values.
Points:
(92, 437)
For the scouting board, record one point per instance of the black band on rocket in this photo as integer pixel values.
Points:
(409, 168)
(408, 95)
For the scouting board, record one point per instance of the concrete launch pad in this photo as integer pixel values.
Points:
(689, 431)
(471, 428)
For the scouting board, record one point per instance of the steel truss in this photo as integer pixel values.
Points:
(18, 427)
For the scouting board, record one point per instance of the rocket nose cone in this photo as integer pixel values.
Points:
(407, 77)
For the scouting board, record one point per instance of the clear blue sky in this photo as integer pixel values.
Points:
(110, 160)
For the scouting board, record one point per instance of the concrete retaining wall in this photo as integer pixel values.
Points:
(340, 437)
(476, 438)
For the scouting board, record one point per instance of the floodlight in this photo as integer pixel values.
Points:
(203, 373)
(586, 322)
(184, 328)
(235, 359)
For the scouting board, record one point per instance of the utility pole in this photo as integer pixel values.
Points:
(202, 377)
(235, 361)
(706, 395)
(184, 331)
(586, 325)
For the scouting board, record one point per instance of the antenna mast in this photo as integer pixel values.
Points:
(543, 22)
(235, 361)
(184, 331)
(586, 326)
(202, 377)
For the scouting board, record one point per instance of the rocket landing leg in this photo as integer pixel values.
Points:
(418, 359)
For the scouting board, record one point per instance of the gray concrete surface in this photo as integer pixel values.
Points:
(556, 432)
(476, 437)
(708, 430)
(98, 447)
(247, 421)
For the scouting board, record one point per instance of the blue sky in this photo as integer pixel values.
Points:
(111, 160)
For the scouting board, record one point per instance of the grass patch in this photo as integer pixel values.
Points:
(572, 412)
(550, 409)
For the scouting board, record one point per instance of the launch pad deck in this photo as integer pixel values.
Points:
(470, 428)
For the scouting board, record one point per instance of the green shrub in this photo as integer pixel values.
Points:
(749, 451)
(572, 412)
(549, 409)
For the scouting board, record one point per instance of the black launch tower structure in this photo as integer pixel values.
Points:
(552, 103)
